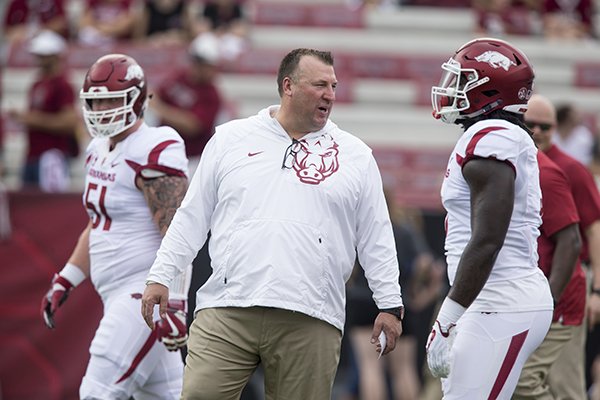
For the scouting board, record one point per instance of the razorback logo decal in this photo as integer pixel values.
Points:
(134, 72)
(495, 59)
(316, 160)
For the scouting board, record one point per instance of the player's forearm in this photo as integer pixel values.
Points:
(81, 253)
(473, 271)
(489, 230)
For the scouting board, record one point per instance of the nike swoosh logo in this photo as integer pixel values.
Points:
(174, 330)
(254, 154)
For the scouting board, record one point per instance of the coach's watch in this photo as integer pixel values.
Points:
(596, 291)
(398, 312)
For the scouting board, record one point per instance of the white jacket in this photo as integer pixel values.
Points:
(284, 237)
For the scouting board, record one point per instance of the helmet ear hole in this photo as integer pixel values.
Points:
(517, 59)
(490, 93)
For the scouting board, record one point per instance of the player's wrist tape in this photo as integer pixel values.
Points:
(450, 312)
(73, 274)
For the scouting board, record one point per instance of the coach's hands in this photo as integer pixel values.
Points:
(391, 326)
(439, 345)
(172, 329)
(155, 293)
(172, 326)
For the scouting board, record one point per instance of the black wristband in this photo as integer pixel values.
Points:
(398, 312)
(595, 291)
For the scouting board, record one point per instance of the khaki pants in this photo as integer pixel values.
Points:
(567, 376)
(299, 354)
(540, 378)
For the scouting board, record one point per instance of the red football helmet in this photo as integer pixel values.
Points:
(114, 76)
(484, 75)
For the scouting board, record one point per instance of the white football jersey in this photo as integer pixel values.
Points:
(515, 283)
(124, 238)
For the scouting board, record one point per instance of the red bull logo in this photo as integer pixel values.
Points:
(495, 59)
(316, 160)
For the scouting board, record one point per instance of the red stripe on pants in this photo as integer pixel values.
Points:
(140, 355)
(509, 360)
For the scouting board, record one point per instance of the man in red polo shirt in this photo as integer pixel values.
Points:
(559, 245)
(566, 378)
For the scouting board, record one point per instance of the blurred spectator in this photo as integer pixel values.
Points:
(104, 22)
(23, 18)
(163, 22)
(398, 375)
(573, 137)
(503, 17)
(189, 100)
(226, 19)
(51, 120)
(572, 19)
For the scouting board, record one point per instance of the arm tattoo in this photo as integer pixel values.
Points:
(164, 195)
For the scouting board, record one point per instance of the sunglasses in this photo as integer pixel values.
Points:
(289, 158)
(544, 127)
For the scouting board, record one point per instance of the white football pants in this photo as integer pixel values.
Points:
(489, 352)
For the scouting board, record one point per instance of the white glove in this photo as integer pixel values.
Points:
(438, 348)
(441, 338)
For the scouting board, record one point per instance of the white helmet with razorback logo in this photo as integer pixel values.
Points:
(114, 76)
(484, 75)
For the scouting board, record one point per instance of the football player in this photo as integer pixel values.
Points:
(136, 176)
(499, 306)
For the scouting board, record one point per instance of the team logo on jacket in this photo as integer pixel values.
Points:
(316, 160)
(495, 59)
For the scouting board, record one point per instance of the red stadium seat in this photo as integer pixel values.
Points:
(587, 74)
(322, 15)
